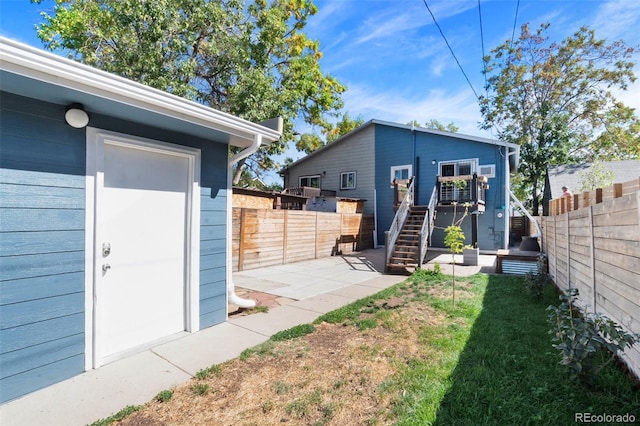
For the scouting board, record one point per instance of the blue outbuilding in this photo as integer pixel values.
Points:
(115, 204)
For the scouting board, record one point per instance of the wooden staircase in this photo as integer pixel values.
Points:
(406, 249)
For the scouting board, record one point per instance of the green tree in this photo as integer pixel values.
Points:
(310, 142)
(345, 125)
(436, 125)
(253, 61)
(596, 176)
(555, 101)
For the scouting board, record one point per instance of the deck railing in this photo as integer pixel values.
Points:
(473, 191)
(398, 221)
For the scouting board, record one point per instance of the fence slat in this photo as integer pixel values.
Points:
(264, 237)
(596, 249)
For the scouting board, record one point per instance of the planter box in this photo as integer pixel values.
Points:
(471, 256)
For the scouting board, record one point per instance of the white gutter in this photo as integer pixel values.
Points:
(233, 298)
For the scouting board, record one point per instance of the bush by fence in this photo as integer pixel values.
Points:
(592, 241)
(264, 237)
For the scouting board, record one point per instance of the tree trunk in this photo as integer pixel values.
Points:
(535, 205)
(237, 172)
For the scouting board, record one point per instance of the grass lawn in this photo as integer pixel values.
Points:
(493, 364)
(404, 356)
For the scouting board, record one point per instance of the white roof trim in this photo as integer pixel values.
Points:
(28, 61)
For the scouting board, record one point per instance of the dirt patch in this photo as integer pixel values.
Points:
(338, 374)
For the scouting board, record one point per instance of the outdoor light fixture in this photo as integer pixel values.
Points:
(75, 116)
(433, 162)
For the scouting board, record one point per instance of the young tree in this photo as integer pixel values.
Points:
(251, 61)
(555, 101)
(596, 176)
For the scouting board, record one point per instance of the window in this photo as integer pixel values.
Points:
(348, 180)
(458, 168)
(448, 190)
(400, 173)
(310, 181)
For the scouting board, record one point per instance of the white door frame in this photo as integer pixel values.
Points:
(96, 138)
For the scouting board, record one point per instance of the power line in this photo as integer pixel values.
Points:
(484, 65)
(515, 21)
(450, 49)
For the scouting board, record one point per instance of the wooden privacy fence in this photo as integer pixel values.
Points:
(273, 237)
(594, 246)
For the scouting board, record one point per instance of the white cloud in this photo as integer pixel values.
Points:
(459, 107)
(615, 19)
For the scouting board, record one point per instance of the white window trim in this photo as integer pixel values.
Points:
(396, 168)
(354, 180)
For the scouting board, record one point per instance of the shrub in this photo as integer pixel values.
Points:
(535, 281)
(164, 396)
(200, 389)
(580, 334)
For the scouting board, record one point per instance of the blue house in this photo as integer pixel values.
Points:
(115, 205)
(382, 162)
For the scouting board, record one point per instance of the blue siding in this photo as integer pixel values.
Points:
(397, 146)
(394, 147)
(42, 198)
(42, 236)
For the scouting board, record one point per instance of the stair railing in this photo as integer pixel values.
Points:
(427, 227)
(391, 235)
(433, 202)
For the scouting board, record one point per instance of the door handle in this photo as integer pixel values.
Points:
(106, 267)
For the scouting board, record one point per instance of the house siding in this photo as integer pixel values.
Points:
(356, 155)
(394, 147)
(42, 198)
(42, 239)
(441, 148)
(376, 147)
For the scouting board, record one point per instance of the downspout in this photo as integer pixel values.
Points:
(233, 298)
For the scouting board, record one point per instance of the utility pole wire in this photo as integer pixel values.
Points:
(450, 49)
(515, 20)
(484, 65)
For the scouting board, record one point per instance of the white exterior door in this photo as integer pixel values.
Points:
(142, 246)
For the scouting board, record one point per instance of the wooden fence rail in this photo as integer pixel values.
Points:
(594, 246)
(264, 237)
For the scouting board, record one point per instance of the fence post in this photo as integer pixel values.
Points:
(241, 240)
(568, 252)
(315, 236)
(593, 257)
(284, 239)
(555, 247)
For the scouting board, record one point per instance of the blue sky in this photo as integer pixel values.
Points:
(394, 61)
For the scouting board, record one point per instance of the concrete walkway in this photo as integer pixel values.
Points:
(311, 288)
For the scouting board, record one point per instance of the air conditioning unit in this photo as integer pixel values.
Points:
(488, 170)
